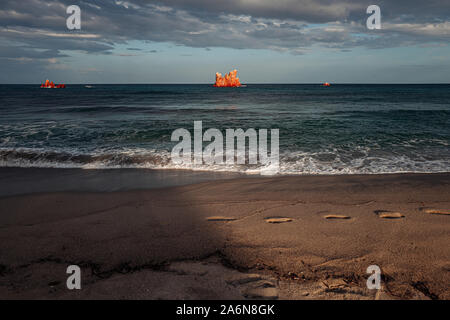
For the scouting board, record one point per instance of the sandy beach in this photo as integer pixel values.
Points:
(289, 237)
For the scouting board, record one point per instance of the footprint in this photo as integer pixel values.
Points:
(277, 220)
(434, 211)
(336, 216)
(389, 215)
(220, 218)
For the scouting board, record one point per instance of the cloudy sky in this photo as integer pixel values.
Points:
(187, 41)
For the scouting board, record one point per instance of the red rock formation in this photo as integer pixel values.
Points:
(230, 80)
(50, 84)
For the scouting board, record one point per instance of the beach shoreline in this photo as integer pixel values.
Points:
(28, 180)
(205, 238)
(19, 180)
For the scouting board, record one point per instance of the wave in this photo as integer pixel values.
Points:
(291, 163)
(147, 109)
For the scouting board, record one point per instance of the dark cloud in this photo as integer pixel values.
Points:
(35, 28)
(317, 11)
(16, 52)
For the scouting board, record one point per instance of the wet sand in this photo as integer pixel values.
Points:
(15, 181)
(303, 237)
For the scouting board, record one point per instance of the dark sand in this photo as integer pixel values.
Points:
(14, 181)
(159, 243)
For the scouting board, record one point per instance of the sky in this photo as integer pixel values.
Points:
(188, 41)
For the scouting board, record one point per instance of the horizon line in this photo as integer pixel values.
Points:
(244, 84)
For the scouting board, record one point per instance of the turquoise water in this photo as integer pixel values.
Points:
(336, 130)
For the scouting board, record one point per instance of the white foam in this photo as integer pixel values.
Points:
(291, 163)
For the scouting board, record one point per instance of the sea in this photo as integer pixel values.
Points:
(341, 129)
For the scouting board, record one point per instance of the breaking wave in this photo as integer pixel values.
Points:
(291, 163)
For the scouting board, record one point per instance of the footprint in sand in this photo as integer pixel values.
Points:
(277, 220)
(434, 211)
(389, 215)
(336, 216)
(220, 218)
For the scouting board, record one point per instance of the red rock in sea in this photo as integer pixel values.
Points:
(230, 80)
(50, 84)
